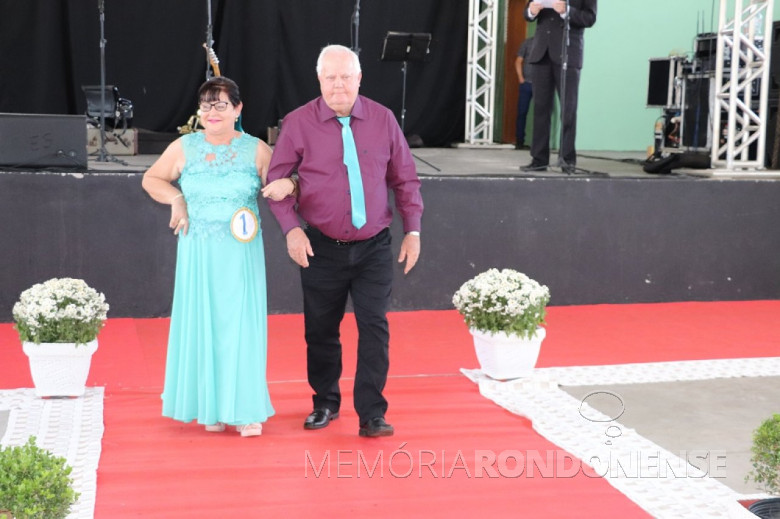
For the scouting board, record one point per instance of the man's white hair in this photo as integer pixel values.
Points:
(337, 48)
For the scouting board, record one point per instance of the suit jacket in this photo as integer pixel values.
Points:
(548, 38)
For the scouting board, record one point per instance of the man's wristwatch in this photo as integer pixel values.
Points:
(414, 233)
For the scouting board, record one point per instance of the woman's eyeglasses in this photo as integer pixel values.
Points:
(219, 106)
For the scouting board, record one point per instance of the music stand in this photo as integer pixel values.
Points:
(406, 46)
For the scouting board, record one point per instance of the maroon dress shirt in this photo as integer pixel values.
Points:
(310, 141)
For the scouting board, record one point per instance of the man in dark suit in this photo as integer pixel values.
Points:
(546, 58)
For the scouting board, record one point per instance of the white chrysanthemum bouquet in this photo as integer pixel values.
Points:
(60, 310)
(503, 301)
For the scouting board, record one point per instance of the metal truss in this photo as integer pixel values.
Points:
(481, 71)
(742, 83)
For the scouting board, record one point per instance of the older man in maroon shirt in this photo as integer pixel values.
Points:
(338, 259)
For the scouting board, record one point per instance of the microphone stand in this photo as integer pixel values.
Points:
(103, 155)
(562, 90)
(403, 100)
(209, 38)
(356, 28)
(567, 168)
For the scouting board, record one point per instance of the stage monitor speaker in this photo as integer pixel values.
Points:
(43, 141)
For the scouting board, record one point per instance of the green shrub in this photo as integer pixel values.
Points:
(766, 455)
(34, 483)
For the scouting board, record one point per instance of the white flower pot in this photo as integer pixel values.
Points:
(59, 369)
(503, 356)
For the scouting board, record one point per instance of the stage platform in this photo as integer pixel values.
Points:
(498, 160)
(611, 233)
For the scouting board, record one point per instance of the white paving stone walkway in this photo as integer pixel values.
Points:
(68, 427)
(659, 481)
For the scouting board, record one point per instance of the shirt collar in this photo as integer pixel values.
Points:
(324, 112)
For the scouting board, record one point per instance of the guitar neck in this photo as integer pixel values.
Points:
(213, 60)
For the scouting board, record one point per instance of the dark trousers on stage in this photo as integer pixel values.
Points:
(547, 81)
(524, 95)
(363, 271)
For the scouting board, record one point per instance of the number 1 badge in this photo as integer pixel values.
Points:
(244, 225)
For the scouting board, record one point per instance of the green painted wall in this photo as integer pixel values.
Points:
(613, 89)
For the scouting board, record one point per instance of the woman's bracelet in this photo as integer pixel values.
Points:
(180, 195)
(295, 186)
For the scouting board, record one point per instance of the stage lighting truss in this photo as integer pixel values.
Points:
(742, 63)
(715, 105)
(481, 71)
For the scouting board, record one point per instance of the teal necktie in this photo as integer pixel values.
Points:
(353, 171)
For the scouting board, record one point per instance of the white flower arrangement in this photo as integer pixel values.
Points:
(503, 301)
(63, 310)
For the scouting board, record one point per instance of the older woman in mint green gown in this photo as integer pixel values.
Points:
(217, 346)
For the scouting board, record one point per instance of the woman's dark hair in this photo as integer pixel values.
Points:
(209, 91)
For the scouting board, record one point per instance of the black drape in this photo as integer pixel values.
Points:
(154, 54)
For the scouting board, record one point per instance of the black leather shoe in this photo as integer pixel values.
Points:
(569, 169)
(534, 166)
(376, 427)
(320, 418)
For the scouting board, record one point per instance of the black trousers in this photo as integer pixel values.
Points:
(363, 271)
(547, 81)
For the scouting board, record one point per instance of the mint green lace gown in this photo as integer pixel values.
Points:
(216, 365)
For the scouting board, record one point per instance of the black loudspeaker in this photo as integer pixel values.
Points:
(772, 147)
(772, 137)
(42, 140)
(698, 97)
(659, 79)
(774, 58)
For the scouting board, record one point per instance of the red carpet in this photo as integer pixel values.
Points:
(435, 465)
